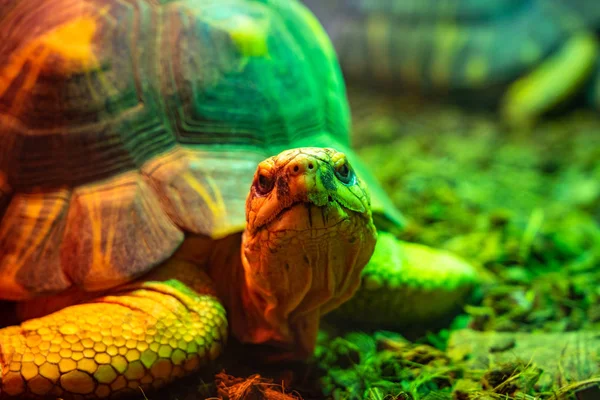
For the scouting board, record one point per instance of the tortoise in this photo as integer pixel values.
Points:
(172, 171)
(528, 56)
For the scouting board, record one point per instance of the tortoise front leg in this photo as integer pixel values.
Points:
(145, 335)
(406, 285)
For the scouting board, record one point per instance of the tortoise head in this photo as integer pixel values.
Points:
(309, 234)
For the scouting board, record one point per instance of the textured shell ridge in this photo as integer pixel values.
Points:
(92, 121)
(82, 100)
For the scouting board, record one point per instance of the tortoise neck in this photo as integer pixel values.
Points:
(254, 316)
(223, 261)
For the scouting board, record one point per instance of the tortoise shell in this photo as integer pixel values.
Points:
(125, 125)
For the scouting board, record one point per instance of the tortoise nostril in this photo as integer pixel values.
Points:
(310, 166)
(296, 168)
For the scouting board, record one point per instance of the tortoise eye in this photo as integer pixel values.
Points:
(264, 184)
(344, 173)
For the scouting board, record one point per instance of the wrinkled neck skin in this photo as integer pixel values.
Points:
(292, 277)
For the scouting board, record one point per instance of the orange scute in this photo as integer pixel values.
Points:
(73, 41)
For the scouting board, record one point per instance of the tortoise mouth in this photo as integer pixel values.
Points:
(305, 216)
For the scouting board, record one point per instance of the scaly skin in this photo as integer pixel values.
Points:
(144, 335)
(407, 285)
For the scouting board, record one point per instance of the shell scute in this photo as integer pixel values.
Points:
(201, 189)
(259, 98)
(79, 90)
(116, 231)
(30, 240)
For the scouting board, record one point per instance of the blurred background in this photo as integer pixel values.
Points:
(522, 58)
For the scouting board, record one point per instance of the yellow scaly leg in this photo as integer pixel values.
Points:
(144, 335)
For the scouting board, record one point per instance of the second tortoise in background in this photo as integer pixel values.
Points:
(528, 56)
